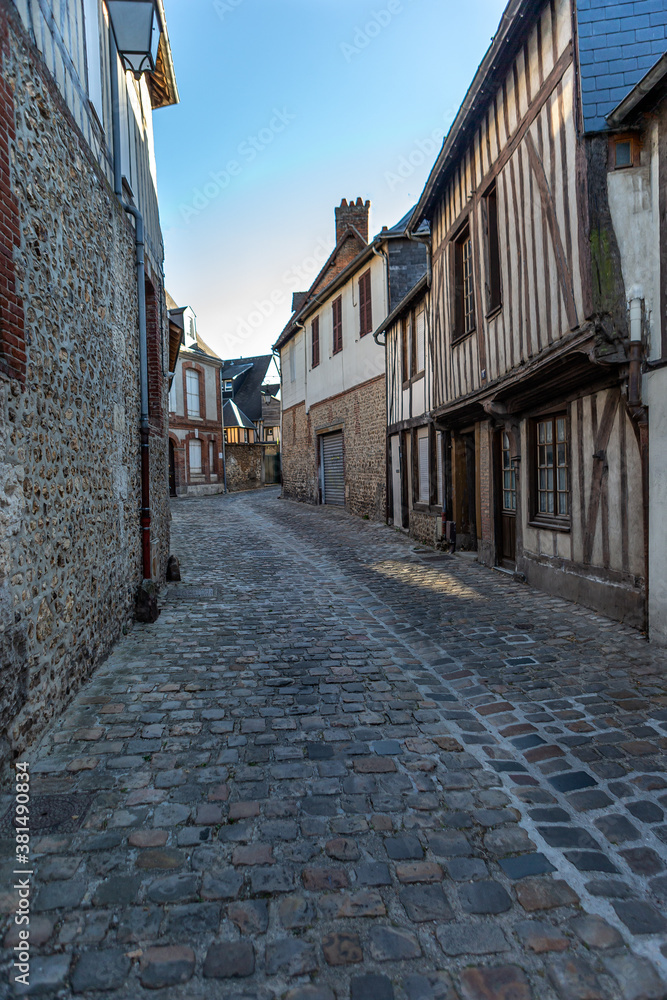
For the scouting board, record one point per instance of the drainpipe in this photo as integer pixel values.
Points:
(224, 450)
(639, 415)
(141, 298)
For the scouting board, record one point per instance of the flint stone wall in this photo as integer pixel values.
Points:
(70, 555)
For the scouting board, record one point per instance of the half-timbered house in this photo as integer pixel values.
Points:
(529, 310)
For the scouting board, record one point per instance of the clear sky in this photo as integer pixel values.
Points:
(288, 106)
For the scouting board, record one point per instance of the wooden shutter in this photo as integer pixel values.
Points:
(333, 475)
(420, 334)
(315, 334)
(422, 458)
(337, 308)
(365, 310)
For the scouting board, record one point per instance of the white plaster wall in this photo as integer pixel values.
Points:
(293, 392)
(361, 359)
(633, 201)
(656, 383)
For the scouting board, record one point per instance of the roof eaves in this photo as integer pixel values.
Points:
(406, 301)
(513, 22)
(628, 107)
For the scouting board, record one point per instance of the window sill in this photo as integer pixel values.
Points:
(192, 417)
(550, 525)
(455, 341)
(422, 508)
(496, 311)
(339, 351)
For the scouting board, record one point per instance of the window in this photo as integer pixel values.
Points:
(245, 435)
(365, 308)
(405, 348)
(211, 459)
(315, 342)
(552, 494)
(423, 471)
(337, 310)
(493, 288)
(172, 396)
(192, 388)
(229, 386)
(269, 433)
(509, 476)
(419, 338)
(464, 289)
(194, 449)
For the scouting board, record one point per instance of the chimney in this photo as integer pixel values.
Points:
(355, 214)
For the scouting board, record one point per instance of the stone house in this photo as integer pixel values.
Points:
(333, 437)
(531, 305)
(195, 413)
(251, 422)
(82, 404)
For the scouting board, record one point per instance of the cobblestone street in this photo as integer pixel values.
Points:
(342, 767)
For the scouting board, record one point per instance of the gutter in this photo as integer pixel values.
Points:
(422, 284)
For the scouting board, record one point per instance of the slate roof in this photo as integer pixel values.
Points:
(248, 375)
(234, 417)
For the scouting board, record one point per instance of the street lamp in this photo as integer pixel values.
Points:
(136, 28)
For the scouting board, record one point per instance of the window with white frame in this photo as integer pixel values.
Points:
(194, 450)
(192, 389)
(423, 471)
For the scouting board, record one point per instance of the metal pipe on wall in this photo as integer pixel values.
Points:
(145, 517)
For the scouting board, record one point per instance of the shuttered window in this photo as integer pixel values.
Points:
(337, 311)
(333, 473)
(493, 287)
(420, 346)
(192, 387)
(423, 472)
(315, 342)
(365, 310)
(194, 449)
(211, 459)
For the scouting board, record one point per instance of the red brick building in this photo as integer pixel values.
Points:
(195, 414)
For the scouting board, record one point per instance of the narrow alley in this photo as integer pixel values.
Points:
(341, 765)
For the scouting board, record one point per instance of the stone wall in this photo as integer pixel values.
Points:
(70, 553)
(360, 414)
(245, 464)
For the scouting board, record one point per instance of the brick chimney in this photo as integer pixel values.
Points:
(355, 214)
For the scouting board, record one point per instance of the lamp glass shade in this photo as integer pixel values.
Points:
(136, 29)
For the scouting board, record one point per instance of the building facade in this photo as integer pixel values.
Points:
(638, 207)
(333, 437)
(71, 554)
(195, 414)
(530, 312)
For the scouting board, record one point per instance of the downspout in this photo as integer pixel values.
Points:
(224, 449)
(639, 416)
(145, 519)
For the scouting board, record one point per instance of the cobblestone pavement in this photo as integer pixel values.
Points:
(340, 766)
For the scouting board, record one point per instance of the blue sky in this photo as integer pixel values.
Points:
(288, 106)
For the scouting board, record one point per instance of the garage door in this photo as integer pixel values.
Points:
(333, 477)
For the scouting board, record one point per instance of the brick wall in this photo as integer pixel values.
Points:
(360, 413)
(618, 44)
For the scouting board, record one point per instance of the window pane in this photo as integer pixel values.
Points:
(541, 430)
(192, 386)
(563, 503)
(560, 428)
(195, 457)
(562, 480)
(549, 427)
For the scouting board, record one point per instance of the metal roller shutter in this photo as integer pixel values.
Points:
(333, 476)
